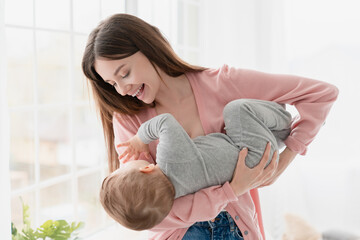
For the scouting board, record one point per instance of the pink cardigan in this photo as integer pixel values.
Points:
(213, 89)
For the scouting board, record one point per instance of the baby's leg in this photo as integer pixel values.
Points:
(252, 123)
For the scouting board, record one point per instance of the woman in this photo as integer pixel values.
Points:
(135, 75)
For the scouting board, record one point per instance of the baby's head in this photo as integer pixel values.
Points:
(138, 195)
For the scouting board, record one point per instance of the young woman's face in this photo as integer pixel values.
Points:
(134, 76)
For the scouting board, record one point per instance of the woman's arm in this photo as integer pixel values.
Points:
(285, 158)
(200, 206)
(207, 203)
(312, 99)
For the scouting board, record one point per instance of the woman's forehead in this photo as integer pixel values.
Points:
(107, 63)
(107, 67)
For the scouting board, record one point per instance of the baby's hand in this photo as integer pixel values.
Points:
(134, 147)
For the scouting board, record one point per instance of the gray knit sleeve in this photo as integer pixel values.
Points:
(175, 145)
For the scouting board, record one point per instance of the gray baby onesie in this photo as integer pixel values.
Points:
(193, 164)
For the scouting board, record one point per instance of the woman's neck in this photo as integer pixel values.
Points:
(173, 91)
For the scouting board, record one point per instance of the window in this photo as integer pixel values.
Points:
(57, 156)
(179, 21)
(56, 150)
(188, 37)
(4, 139)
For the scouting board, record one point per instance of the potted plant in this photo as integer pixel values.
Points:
(50, 229)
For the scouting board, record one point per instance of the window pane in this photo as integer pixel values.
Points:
(22, 149)
(181, 53)
(86, 15)
(80, 84)
(193, 57)
(54, 14)
(17, 209)
(54, 147)
(20, 72)
(19, 15)
(181, 20)
(192, 26)
(110, 7)
(53, 66)
(90, 209)
(89, 143)
(55, 202)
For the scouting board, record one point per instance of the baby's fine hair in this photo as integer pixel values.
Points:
(137, 200)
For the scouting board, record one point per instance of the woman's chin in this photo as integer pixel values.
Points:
(147, 100)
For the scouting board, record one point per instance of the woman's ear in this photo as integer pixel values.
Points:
(149, 168)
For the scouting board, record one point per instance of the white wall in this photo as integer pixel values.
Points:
(245, 34)
(229, 33)
(316, 39)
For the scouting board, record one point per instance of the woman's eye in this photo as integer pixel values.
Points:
(114, 85)
(126, 75)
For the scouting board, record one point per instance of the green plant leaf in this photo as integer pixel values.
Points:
(13, 229)
(77, 226)
(29, 234)
(50, 229)
(26, 217)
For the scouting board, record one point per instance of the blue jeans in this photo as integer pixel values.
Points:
(223, 227)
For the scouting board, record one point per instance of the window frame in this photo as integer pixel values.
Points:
(5, 219)
(70, 105)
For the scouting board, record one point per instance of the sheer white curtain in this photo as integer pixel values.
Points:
(319, 41)
(315, 39)
(4, 139)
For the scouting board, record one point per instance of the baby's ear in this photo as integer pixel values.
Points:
(149, 168)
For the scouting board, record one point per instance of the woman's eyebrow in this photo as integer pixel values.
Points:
(118, 69)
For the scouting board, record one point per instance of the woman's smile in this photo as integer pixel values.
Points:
(139, 91)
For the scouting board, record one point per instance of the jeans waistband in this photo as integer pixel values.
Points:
(221, 220)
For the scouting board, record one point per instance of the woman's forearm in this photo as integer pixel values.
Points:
(200, 206)
(287, 155)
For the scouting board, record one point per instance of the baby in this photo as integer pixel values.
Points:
(139, 195)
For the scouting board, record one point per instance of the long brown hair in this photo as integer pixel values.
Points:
(117, 37)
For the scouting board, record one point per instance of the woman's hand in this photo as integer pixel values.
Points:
(245, 178)
(134, 147)
(285, 159)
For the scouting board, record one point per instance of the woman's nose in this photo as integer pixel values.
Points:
(123, 89)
